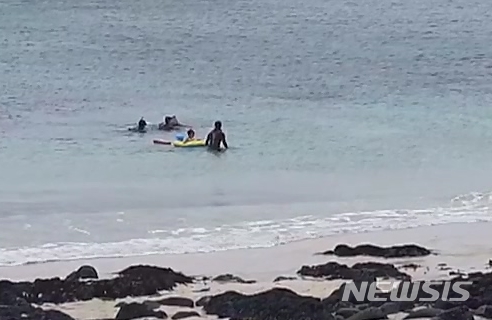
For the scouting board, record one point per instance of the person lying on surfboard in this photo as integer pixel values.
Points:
(171, 123)
(190, 137)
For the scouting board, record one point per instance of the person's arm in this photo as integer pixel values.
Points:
(224, 141)
(209, 137)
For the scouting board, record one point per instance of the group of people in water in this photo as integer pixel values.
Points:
(215, 138)
(170, 123)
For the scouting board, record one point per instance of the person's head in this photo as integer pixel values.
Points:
(173, 120)
(191, 133)
(218, 125)
(167, 120)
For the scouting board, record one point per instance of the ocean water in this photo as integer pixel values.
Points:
(342, 116)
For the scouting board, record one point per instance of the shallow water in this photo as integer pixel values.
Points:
(341, 117)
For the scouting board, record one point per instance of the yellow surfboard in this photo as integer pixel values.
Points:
(188, 144)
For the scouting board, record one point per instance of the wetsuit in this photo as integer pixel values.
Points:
(141, 125)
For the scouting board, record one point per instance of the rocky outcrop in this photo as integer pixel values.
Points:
(286, 304)
(370, 313)
(14, 307)
(484, 311)
(401, 251)
(184, 314)
(83, 273)
(177, 301)
(229, 278)
(272, 304)
(423, 313)
(411, 266)
(458, 313)
(283, 278)
(135, 310)
(358, 272)
(203, 301)
(134, 281)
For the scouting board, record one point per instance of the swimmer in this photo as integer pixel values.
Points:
(216, 137)
(190, 137)
(142, 124)
(170, 123)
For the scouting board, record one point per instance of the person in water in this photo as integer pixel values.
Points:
(142, 124)
(216, 137)
(190, 137)
(170, 123)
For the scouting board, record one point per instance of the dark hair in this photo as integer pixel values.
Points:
(190, 131)
(218, 124)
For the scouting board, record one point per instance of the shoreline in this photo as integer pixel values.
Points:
(455, 247)
(288, 257)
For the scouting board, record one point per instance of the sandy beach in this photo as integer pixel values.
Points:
(461, 247)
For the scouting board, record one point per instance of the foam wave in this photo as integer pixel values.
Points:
(257, 234)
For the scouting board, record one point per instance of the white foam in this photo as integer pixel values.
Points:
(256, 234)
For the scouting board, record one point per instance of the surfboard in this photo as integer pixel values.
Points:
(157, 141)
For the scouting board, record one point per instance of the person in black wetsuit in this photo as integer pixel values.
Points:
(171, 123)
(142, 124)
(216, 137)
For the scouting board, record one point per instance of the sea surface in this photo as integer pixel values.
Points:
(341, 116)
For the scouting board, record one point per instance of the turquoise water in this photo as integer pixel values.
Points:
(341, 117)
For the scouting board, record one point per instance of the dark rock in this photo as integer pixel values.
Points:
(457, 273)
(458, 313)
(133, 281)
(411, 266)
(341, 305)
(445, 305)
(12, 307)
(145, 271)
(231, 278)
(177, 301)
(276, 303)
(347, 312)
(282, 278)
(423, 313)
(370, 313)
(484, 311)
(203, 301)
(402, 251)
(362, 306)
(50, 315)
(151, 304)
(395, 307)
(84, 272)
(135, 310)
(9, 298)
(185, 314)
(358, 272)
